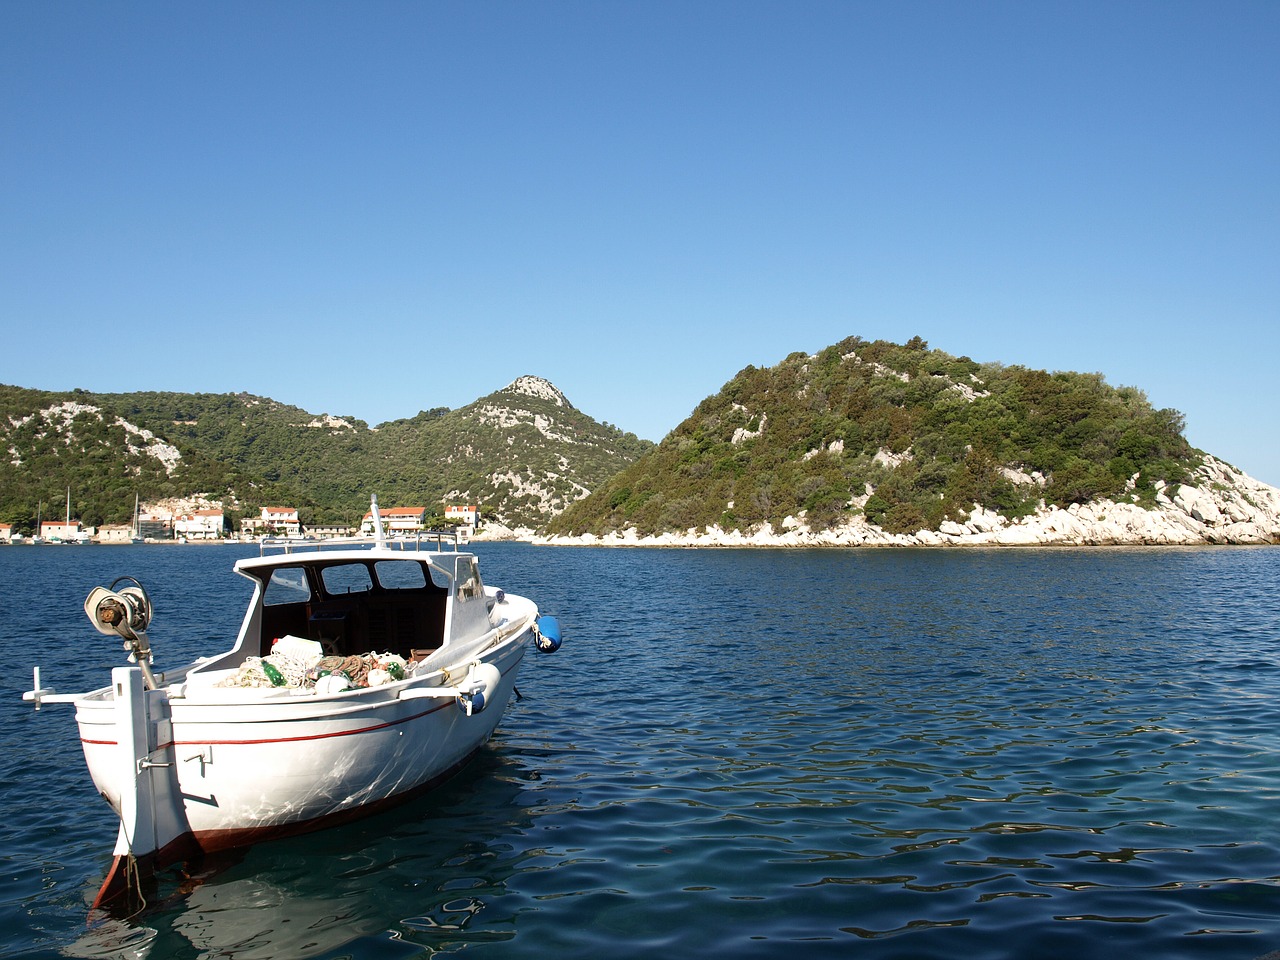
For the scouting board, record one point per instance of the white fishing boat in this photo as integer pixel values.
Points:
(363, 673)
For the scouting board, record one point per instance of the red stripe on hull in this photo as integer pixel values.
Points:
(310, 736)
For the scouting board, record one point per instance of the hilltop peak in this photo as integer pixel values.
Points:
(532, 386)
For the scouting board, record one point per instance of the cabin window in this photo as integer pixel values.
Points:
(287, 585)
(438, 577)
(400, 574)
(346, 578)
(468, 579)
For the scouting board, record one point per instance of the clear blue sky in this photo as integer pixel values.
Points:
(370, 209)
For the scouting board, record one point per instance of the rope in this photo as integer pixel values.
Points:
(302, 674)
(133, 882)
(356, 669)
(132, 875)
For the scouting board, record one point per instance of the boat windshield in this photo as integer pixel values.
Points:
(371, 603)
(287, 585)
(346, 578)
(403, 575)
(292, 585)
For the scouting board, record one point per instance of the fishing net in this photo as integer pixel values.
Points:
(283, 670)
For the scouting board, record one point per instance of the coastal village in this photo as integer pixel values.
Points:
(1221, 505)
(185, 522)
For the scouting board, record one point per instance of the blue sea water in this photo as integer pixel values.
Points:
(752, 753)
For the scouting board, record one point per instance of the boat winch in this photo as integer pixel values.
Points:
(124, 613)
(474, 692)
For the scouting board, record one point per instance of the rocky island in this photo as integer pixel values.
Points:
(882, 444)
(1226, 507)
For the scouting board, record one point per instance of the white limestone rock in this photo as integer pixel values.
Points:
(1221, 506)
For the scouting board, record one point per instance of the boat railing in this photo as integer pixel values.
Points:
(427, 540)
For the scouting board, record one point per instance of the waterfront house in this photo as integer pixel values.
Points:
(397, 521)
(201, 525)
(469, 515)
(273, 522)
(155, 525)
(61, 530)
(328, 531)
(115, 533)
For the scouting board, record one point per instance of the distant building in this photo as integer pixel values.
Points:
(397, 521)
(115, 533)
(155, 525)
(328, 531)
(274, 522)
(61, 530)
(469, 515)
(202, 525)
(6, 532)
(282, 520)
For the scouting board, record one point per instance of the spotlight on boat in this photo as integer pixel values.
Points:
(125, 612)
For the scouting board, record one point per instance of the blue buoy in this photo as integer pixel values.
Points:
(548, 634)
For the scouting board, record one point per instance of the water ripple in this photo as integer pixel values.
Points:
(900, 753)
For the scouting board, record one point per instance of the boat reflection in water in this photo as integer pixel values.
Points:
(413, 879)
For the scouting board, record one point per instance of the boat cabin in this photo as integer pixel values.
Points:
(356, 602)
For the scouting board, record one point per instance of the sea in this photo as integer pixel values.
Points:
(752, 753)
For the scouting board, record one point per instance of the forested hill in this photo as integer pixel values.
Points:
(520, 453)
(901, 435)
(523, 453)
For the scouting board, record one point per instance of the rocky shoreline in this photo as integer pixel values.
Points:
(1223, 506)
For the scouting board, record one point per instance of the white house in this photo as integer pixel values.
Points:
(53, 530)
(397, 521)
(274, 521)
(115, 533)
(201, 525)
(469, 515)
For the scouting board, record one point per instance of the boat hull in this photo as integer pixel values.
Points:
(223, 768)
(363, 673)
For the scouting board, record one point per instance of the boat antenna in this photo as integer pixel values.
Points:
(378, 533)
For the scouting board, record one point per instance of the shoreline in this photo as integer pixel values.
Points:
(1226, 507)
(1222, 507)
